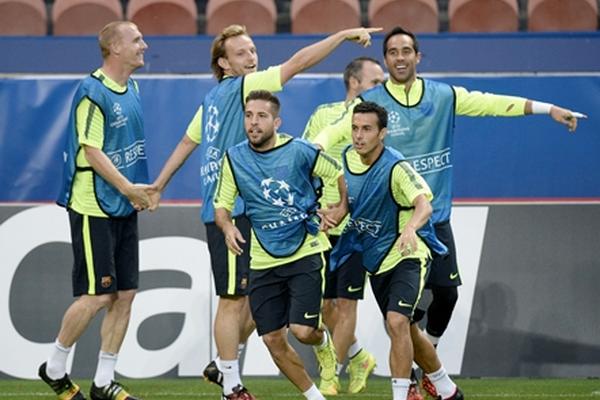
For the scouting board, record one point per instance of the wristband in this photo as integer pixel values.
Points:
(537, 107)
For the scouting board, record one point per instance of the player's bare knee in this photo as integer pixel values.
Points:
(305, 334)
(346, 307)
(398, 324)
(275, 341)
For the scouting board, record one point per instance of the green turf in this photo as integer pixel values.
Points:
(279, 389)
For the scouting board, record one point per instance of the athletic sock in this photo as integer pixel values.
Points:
(56, 366)
(313, 393)
(442, 382)
(323, 344)
(105, 371)
(354, 349)
(231, 375)
(400, 388)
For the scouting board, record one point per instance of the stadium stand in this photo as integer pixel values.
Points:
(483, 15)
(259, 16)
(191, 17)
(164, 17)
(559, 15)
(23, 17)
(84, 17)
(418, 16)
(316, 16)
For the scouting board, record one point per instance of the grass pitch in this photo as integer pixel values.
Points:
(281, 389)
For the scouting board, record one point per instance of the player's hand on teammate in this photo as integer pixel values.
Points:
(361, 36)
(333, 215)
(138, 197)
(154, 195)
(566, 117)
(233, 238)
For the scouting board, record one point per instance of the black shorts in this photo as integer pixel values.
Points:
(444, 269)
(287, 294)
(400, 289)
(230, 272)
(348, 281)
(105, 252)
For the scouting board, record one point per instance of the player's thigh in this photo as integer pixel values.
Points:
(231, 273)
(400, 289)
(269, 300)
(444, 269)
(93, 243)
(305, 284)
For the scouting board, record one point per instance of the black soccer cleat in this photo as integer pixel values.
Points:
(113, 391)
(64, 387)
(212, 374)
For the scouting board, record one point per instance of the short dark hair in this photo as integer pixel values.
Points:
(368, 107)
(266, 96)
(354, 68)
(400, 31)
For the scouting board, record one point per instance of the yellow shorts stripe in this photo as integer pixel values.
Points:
(422, 275)
(89, 255)
(231, 271)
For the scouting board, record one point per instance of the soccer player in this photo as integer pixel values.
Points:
(345, 286)
(389, 226)
(101, 194)
(279, 180)
(218, 125)
(421, 126)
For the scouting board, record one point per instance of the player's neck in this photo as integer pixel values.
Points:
(118, 73)
(372, 156)
(407, 84)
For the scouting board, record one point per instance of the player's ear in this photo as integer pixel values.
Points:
(382, 133)
(223, 63)
(277, 122)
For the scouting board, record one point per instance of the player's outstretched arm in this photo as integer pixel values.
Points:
(559, 114)
(313, 54)
(184, 148)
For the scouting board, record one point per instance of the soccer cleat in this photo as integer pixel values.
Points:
(113, 391)
(212, 374)
(331, 387)
(429, 387)
(458, 395)
(327, 359)
(64, 387)
(359, 369)
(239, 393)
(413, 392)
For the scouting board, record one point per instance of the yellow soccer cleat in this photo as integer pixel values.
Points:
(327, 359)
(331, 387)
(359, 369)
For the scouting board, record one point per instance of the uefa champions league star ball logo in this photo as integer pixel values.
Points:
(277, 192)
(393, 117)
